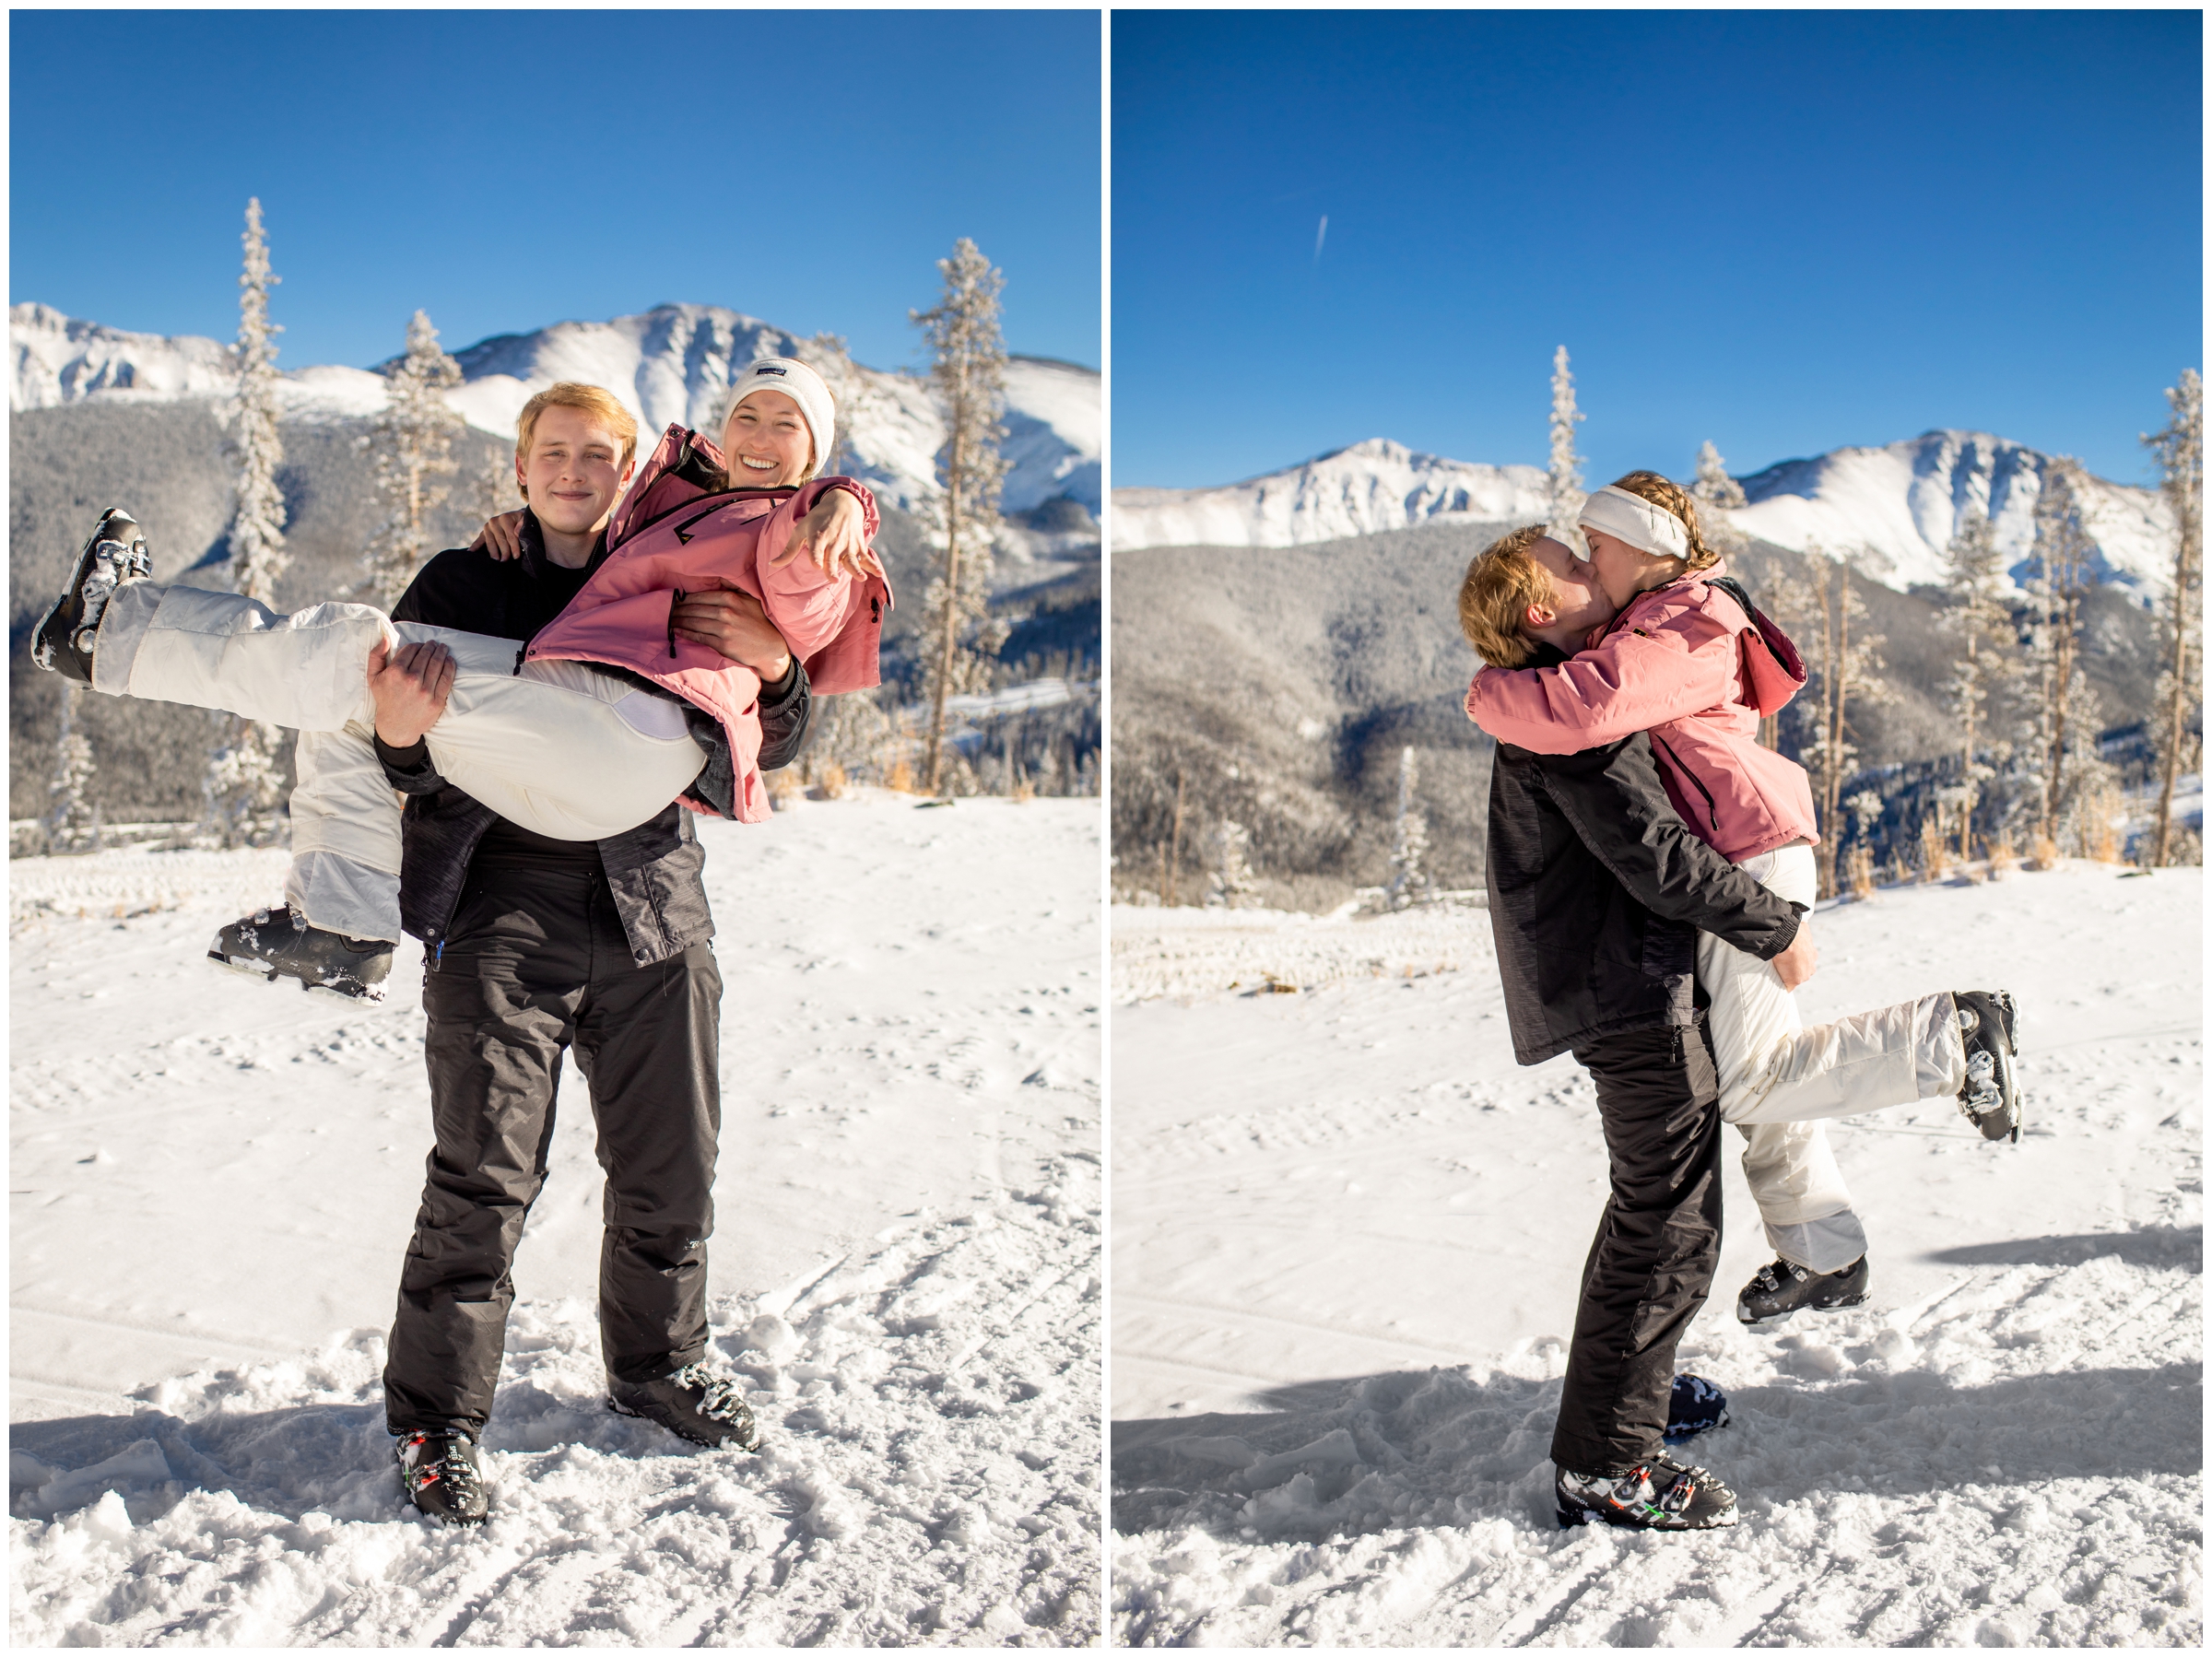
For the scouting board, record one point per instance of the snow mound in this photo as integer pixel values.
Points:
(926, 1475)
(672, 363)
(2014, 1462)
(1377, 485)
(1899, 506)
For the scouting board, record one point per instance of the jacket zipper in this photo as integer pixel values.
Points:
(722, 496)
(673, 602)
(1712, 809)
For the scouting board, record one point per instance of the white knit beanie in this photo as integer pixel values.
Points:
(803, 387)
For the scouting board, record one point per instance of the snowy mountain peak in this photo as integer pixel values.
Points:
(1894, 508)
(671, 363)
(1372, 485)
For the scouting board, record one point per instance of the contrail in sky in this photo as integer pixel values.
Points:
(1321, 236)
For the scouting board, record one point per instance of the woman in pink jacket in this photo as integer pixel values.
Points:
(547, 735)
(1685, 660)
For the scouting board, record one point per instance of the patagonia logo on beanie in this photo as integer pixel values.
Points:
(803, 387)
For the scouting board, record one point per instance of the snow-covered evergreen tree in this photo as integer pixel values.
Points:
(2179, 448)
(1408, 885)
(244, 783)
(412, 443)
(72, 820)
(1717, 493)
(2067, 707)
(1982, 625)
(961, 638)
(1231, 881)
(1566, 465)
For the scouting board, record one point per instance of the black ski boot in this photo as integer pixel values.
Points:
(1694, 1406)
(693, 1403)
(1991, 1098)
(1785, 1286)
(441, 1478)
(279, 943)
(116, 553)
(1660, 1495)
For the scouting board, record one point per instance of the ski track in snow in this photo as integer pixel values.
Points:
(210, 1174)
(1348, 1230)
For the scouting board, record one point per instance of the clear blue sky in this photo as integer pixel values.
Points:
(508, 170)
(1784, 232)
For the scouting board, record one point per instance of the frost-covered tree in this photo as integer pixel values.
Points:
(1566, 465)
(1717, 493)
(961, 638)
(257, 554)
(72, 820)
(1230, 883)
(412, 443)
(1843, 666)
(1978, 618)
(2180, 449)
(244, 782)
(1408, 885)
(2064, 575)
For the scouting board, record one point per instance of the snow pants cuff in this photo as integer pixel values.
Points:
(1650, 1265)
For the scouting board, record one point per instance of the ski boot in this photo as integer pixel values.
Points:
(1991, 1098)
(279, 943)
(1785, 1286)
(1658, 1494)
(65, 635)
(1695, 1405)
(693, 1403)
(440, 1474)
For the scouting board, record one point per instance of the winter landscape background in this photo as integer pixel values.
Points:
(1280, 642)
(98, 417)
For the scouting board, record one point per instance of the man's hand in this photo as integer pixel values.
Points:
(501, 537)
(410, 686)
(833, 535)
(733, 622)
(1795, 965)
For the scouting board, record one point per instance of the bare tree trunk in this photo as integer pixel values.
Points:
(1833, 782)
(2178, 664)
(1166, 885)
(950, 643)
(1966, 810)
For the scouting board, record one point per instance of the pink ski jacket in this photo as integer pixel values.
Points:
(1685, 663)
(674, 534)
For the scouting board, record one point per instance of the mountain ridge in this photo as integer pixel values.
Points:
(1895, 505)
(671, 363)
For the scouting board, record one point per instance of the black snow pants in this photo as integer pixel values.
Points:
(1652, 1263)
(536, 961)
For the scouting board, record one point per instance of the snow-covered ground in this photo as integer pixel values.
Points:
(214, 1182)
(1348, 1231)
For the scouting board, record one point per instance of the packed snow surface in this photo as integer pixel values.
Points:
(673, 363)
(214, 1180)
(1894, 509)
(1348, 1231)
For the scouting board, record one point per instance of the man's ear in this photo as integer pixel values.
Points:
(1538, 616)
(522, 483)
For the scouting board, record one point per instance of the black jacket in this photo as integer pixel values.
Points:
(1597, 893)
(654, 869)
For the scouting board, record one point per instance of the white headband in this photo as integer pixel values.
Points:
(1643, 525)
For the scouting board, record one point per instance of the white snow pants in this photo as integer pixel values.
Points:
(1779, 1080)
(559, 748)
